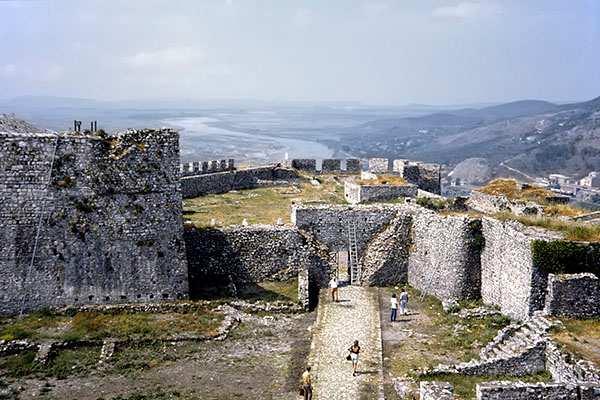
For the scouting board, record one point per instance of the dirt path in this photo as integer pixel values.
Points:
(355, 317)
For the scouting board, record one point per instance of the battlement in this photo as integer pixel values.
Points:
(194, 168)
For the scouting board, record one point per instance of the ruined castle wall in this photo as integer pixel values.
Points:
(573, 295)
(526, 391)
(302, 164)
(426, 176)
(490, 204)
(509, 277)
(223, 182)
(356, 193)
(566, 368)
(331, 165)
(254, 253)
(103, 226)
(385, 262)
(379, 165)
(329, 224)
(353, 166)
(444, 260)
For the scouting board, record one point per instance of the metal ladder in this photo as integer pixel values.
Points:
(355, 270)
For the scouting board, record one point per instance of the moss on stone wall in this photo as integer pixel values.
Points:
(565, 257)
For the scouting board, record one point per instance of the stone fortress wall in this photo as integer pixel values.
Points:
(445, 260)
(90, 220)
(223, 182)
(240, 255)
(110, 229)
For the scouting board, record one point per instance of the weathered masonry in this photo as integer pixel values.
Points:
(90, 220)
(223, 182)
(240, 255)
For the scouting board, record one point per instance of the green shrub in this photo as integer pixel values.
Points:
(564, 257)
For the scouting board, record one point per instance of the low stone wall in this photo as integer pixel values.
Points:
(490, 204)
(566, 368)
(386, 258)
(356, 193)
(573, 295)
(509, 277)
(444, 259)
(223, 182)
(246, 254)
(436, 391)
(526, 391)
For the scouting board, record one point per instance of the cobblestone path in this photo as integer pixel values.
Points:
(355, 317)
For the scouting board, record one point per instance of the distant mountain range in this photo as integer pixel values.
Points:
(531, 136)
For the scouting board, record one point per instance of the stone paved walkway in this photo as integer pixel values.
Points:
(355, 317)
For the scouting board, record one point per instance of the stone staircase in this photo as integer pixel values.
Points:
(516, 338)
(517, 350)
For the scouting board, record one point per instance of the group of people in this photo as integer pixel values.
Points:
(396, 302)
(402, 302)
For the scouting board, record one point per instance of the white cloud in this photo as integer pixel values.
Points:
(465, 9)
(170, 57)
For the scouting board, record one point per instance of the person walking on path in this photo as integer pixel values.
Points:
(403, 302)
(307, 384)
(354, 350)
(394, 308)
(333, 285)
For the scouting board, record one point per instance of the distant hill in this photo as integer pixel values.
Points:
(10, 123)
(532, 136)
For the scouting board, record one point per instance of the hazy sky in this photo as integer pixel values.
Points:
(376, 52)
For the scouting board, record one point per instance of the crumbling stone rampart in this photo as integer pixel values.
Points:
(444, 260)
(436, 391)
(526, 391)
(256, 253)
(356, 193)
(385, 262)
(490, 204)
(566, 368)
(223, 182)
(90, 220)
(329, 224)
(573, 295)
(426, 176)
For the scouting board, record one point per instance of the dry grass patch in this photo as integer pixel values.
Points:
(578, 231)
(95, 325)
(581, 337)
(512, 190)
(429, 336)
(393, 180)
(262, 205)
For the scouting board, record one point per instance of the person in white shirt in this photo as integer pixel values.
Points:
(394, 308)
(333, 285)
(403, 302)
